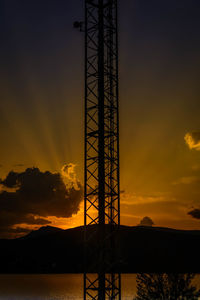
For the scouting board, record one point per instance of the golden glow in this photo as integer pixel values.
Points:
(159, 173)
(193, 140)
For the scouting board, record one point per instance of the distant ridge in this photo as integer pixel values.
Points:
(139, 249)
(43, 231)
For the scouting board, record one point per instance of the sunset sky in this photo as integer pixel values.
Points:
(42, 113)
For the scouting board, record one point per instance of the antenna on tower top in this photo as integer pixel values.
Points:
(78, 25)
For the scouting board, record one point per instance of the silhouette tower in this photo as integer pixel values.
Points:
(102, 189)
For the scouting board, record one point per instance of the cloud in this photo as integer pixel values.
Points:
(134, 198)
(186, 180)
(69, 174)
(33, 196)
(192, 139)
(10, 218)
(195, 213)
(146, 221)
(13, 232)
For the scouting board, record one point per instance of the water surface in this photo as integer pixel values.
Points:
(57, 287)
(53, 287)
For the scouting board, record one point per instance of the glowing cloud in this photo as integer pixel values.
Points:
(69, 174)
(192, 139)
(186, 180)
(31, 197)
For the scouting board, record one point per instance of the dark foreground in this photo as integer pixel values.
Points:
(139, 249)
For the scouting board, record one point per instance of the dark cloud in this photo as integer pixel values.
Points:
(13, 232)
(10, 218)
(33, 196)
(195, 213)
(146, 221)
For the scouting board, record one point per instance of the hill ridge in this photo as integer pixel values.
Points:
(138, 249)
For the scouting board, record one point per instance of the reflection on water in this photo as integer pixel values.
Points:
(40, 287)
(53, 287)
(61, 287)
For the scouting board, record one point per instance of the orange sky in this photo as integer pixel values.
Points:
(42, 106)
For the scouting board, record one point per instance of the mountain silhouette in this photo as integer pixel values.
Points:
(43, 231)
(138, 250)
